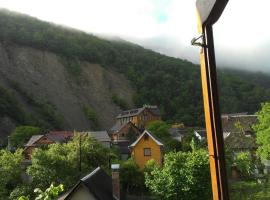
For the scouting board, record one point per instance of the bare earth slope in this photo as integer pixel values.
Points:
(42, 74)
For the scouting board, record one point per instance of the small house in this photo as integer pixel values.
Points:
(124, 132)
(41, 140)
(145, 148)
(95, 186)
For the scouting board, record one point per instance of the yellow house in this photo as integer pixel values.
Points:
(145, 148)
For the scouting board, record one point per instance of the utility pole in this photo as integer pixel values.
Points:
(208, 12)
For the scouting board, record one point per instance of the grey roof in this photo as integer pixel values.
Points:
(238, 140)
(117, 126)
(33, 139)
(133, 112)
(130, 113)
(101, 136)
(246, 121)
(98, 183)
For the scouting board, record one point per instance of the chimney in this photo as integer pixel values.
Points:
(115, 181)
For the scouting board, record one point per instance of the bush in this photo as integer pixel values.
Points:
(22, 134)
(119, 102)
(91, 116)
(244, 164)
(184, 176)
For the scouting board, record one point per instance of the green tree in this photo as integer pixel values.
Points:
(184, 176)
(161, 130)
(50, 193)
(244, 164)
(91, 115)
(22, 134)
(262, 129)
(60, 163)
(119, 101)
(131, 177)
(10, 171)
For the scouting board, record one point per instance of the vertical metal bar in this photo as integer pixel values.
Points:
(212, 117)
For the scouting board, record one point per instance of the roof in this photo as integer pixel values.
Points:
(202, 133)
(133, 112)
(148, 133)
(117, 127)
(246, 121)
(98, 183)
(239, 141)
(33, 140)
(101, 136)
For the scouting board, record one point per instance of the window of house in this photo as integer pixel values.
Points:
(147, 152)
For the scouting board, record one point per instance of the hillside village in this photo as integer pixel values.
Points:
(130, 128)
(67, 129)
(132, 139)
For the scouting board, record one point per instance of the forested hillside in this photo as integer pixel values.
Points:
(172, 84)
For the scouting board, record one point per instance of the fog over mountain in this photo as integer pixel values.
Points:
(242, 38)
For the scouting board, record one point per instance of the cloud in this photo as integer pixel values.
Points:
(242, 36)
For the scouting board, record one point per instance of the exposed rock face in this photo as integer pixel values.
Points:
(44, 75)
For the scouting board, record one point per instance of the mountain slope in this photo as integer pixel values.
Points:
(66, 71)
(40, 84)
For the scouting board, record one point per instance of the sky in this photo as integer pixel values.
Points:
(242, 35)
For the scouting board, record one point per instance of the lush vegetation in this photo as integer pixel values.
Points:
(50, 193)
(10, 107)
(184, 176)
(131, 177)
(161, 130)
(91, 115)
(119, 101)
(250, 190)
(60, 163)
(22, 134)
(172, 84)
(56, 163)
(244, 164)
(10, 171)
(262, 129)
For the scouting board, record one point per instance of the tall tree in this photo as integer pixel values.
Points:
(66, 163)
(10, 171)
(262, 129)
(184, 176)
(22, 134)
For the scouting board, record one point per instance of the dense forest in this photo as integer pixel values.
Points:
(172, 84)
